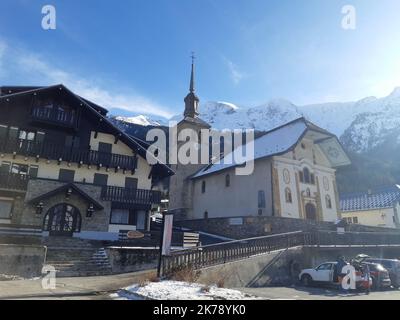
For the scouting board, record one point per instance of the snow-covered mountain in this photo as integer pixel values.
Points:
(361, 125)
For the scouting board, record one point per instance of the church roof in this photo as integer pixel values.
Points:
(379, 198)
(281, 140)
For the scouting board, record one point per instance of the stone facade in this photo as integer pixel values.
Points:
(98, 222)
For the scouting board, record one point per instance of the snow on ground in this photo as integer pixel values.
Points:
(176, 290)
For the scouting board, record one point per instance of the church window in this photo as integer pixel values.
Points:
(227, 180)
(203, 187)
(328, 202)
(288, 195)
(261, 199)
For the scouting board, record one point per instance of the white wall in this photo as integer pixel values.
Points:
(240, 199)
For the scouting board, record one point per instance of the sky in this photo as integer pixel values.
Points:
(133, 56)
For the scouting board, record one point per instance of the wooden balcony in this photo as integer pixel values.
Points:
(52, 115)
(53, 151)
(13, 181)
(130, 196)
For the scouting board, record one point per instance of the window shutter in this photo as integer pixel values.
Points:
(33, 171)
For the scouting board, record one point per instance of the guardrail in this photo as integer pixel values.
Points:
(205, 256)
(221, 253)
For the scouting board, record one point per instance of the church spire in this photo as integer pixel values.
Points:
(191, 100)
(192, 74)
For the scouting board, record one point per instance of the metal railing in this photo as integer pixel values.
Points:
(221, 253)
(130, 195)
(53, 115)
(55, 151)
(14, 181)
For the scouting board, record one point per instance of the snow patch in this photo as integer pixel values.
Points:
(176, 290)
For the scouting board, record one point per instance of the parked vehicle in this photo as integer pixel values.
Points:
(392, 266)
(380, 276)
(324, 273)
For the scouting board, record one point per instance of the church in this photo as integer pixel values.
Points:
(293, 177)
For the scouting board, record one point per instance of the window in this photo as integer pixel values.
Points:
(19, 169)
(131, 183)
(26, 135)
(100, 179)
(33, 171)
(72, 141)
(6, 209)
(328, 202)
(123, 216)
(3, 132)
(66, 175)
(288, 195)
(355, 220)
(227, 180)
(261, 199)
(260, 212)
(5, 167)
(203, 187)
(206, 215)
(120, 216)
(312, 180)
(306, 175)
(325, 266)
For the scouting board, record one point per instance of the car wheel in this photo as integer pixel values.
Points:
(306, 280)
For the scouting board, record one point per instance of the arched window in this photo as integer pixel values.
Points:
(227, 180)
(203, 187)
(328, 201)
(306, 175)
(288, 195)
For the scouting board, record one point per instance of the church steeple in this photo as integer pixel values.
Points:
(191, 100)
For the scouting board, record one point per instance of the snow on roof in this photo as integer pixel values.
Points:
(383, 197)
(274, 142)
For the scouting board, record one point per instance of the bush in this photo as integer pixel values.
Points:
(184, 273)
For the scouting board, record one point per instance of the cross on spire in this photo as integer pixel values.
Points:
(192, 73)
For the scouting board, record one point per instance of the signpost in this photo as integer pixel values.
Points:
(165, 238)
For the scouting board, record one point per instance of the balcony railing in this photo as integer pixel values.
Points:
(54, 116)
(130, 195)
(13, 181)
(75, 155)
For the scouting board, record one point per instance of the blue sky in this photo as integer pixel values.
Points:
(134, 54)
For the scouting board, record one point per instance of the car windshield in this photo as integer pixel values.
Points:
(385, 263)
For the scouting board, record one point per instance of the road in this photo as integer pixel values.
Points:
(302, 293)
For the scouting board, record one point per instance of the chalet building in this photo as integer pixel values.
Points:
(66, 170)
(379, 207)
(294, 175)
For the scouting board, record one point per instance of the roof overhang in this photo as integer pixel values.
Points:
(71, 188)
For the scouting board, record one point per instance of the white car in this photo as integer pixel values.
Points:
(321, 274)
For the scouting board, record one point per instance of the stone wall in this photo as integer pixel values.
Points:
(259, 226)
(21, 260)
(132, 259)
